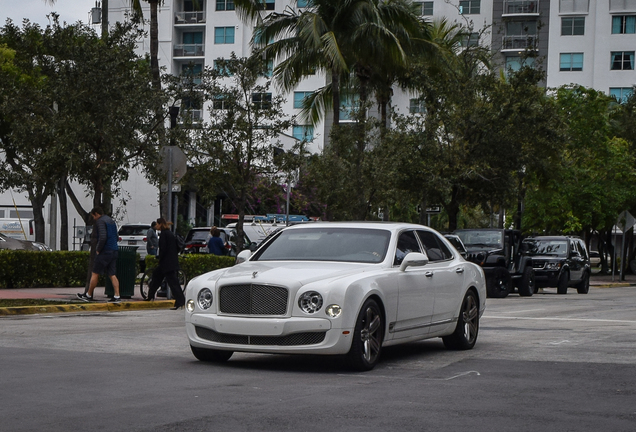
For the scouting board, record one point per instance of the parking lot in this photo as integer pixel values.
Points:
(547, 362)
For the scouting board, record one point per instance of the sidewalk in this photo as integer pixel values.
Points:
(69, 294)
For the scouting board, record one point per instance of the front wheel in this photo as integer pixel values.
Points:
(465, 334)
(367, 338)
(527, 284)
(211, 355)
(583, 287)
(564, 281)
(498, 283)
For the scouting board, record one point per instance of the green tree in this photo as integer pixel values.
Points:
(235, 150)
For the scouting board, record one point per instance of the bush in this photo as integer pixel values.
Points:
(195, 264)
(29, 269)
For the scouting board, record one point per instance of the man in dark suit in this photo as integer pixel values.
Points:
(168, 265)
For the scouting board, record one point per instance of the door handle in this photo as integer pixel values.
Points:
(428, 274)
(459, 270)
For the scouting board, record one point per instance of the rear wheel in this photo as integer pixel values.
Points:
(564, 281)
(211, 355)
(465, 334)
(367, 337)
(583, 287)
(498, 283)
(527, 285)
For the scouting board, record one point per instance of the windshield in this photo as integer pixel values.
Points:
(327, 244)
(481, 238)
(548, 247)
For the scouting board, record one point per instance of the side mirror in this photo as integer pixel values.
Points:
(414, 259)
(243, 256)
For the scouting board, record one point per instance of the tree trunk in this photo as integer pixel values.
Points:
(335, 94)
(37, 199)
(61, 194)
(423, 205)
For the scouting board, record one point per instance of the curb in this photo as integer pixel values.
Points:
(86, 307)
(612, 285)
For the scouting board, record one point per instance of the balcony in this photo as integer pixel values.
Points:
(189, 50)
(519, 43)
(191, 117)
(521, 8)
(194, 17)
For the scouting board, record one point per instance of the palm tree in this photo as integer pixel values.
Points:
(154, 36)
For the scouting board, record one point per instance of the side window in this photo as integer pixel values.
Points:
(582, 250)
(406, 243)
(435, 247)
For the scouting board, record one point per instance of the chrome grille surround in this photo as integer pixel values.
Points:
(253, 299)
(538, 264)
(306, 338)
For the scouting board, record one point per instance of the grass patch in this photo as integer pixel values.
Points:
(31, 302)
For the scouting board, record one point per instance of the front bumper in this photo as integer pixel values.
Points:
(546, 278)
(295, 335)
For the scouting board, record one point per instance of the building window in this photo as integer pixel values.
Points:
(222, 67)
(573, 26)
(303, 133)
(220, 102)
(470, 40)
(269, 4)
(424, 8)
(192, 72)
(193, 6)
(469, 7)
(262, 100)
(269, 68)
(515, 63)
(223, 35)
(416, 106)
(299, 98)
(571, 62)
(348, 106)
(624, 24)
(621, 94)
(520, 35)
(225, 5)
(622, 60)
(302, 3)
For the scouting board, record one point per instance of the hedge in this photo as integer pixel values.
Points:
(30, 269)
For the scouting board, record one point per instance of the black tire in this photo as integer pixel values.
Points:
(368, 335)
(498, 283)
(143, 285)
(467, 329)
(564, 282)
(211, 355)
(583, 287)
(527, 286)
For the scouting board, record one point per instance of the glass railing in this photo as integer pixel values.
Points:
(521, 42)
(193, 17)
(189, 50)
(520, 7)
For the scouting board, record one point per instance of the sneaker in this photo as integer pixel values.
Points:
(115, 300)
(84, 297)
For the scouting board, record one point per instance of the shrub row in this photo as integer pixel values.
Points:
(28, 269)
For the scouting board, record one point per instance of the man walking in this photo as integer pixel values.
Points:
(168, 265)
(106, 255)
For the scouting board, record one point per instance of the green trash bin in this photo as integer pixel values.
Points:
(126, 272)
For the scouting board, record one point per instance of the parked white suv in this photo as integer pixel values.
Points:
(134, 235)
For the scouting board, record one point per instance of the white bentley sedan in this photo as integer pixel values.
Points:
(339, 289)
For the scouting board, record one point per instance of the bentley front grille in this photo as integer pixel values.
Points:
(252, 299)
(307, 338)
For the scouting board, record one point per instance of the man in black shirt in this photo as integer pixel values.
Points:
(168, 265)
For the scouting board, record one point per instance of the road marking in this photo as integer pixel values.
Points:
(559, 343)
(455, 376)
(561, 319)
(527, 310)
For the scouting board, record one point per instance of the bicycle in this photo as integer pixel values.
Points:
(162, 292)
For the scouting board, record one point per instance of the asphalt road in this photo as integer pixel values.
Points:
(544, 363)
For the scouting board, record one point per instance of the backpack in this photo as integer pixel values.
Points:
(180, 243)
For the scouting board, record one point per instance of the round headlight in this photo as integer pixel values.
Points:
(310, 302)
(205, 298)
(190, 305)
(333, 311)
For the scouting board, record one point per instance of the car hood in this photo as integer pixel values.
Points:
(288, 273)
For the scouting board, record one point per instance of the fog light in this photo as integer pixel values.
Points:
(190, 305)
(310, 302)
(205, 298)
(333, 311)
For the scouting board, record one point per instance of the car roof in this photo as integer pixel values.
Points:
(391, 226)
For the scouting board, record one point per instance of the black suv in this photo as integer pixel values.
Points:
(500, 253)
(561, 262)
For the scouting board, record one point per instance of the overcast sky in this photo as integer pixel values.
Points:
(70, 11)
